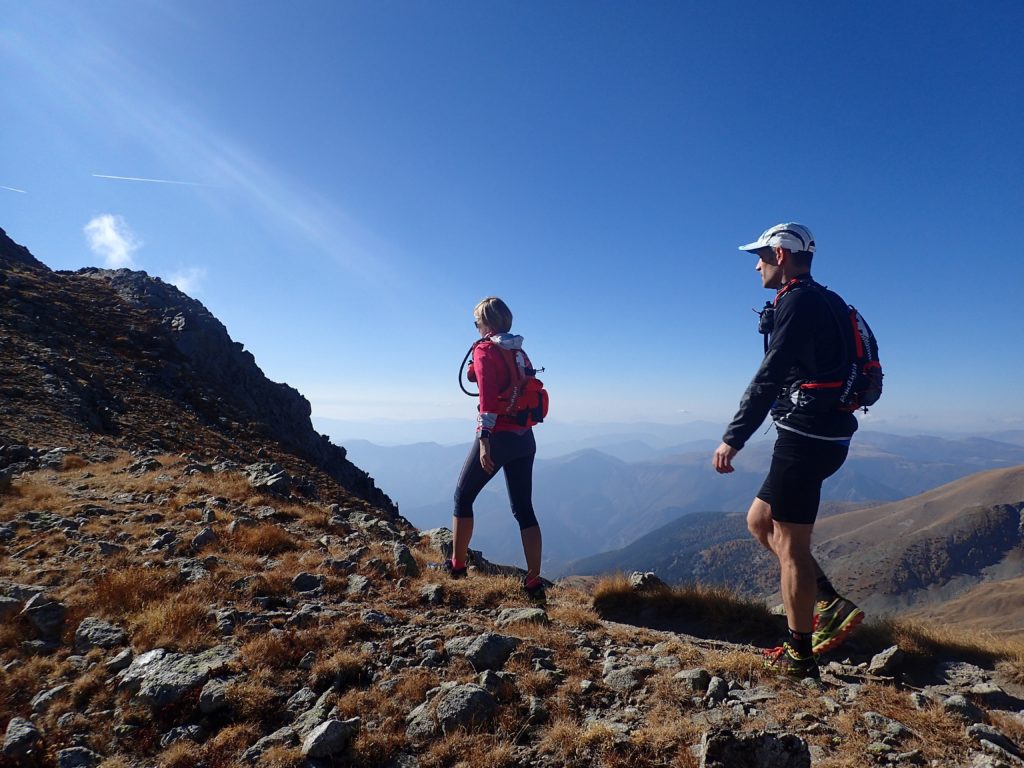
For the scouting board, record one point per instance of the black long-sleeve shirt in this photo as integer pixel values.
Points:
(806, 344)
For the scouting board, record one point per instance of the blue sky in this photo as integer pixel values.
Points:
(356, 176)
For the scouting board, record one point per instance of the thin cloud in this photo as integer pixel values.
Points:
(111, 238)
(188, 280)
(151, 181)
(13, 189)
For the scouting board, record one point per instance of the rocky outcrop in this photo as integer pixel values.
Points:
(126, 357)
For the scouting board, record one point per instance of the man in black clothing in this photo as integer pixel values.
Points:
(795, 384)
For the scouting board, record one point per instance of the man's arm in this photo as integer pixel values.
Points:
(757, 400)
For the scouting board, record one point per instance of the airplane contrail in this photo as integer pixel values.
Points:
(12, 189)
(152, 181)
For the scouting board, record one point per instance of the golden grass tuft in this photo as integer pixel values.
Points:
(124, 591)
(468, 750)
(31, 492)
(181, 754)
(263, 539)
(699, 608)
(72, 462)
(340, 669)
(923, 642)
(177, 621)
(274, 651)
(282, 757)
(255, 698)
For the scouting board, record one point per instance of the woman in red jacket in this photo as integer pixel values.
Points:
(501, 443)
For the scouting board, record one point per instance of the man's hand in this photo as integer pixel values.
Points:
(485, 456)
(722, 460)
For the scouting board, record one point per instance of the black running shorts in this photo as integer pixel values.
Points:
(799, 467)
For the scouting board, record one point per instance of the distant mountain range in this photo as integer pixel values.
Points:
(954, 553)
(591, 501)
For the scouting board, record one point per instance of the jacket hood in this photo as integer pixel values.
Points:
(506, 340)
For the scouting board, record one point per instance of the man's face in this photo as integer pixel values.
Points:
(768, 266)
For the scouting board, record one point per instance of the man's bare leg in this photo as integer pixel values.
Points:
(762, 527)
(792, 545)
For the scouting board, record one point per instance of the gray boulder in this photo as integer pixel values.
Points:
(214, 696)
(645, 582)
(487, 651)
(624, 679)
(159, 678)
(330, 738)
(307, 582)
(758, 749)
(887, 662)
(96, 633)
(47, 616)
(310, 719)
(9, 608)
(78, 757)
(269, 477)
(193, 733)
(511, 617)
(204, 537)
(982, 733)
(21, 737)
(283, 737)
(42, 700)
(405, 563)
(964, 710)
(695, 680)
(466, 706)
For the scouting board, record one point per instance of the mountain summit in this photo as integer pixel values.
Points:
(118, 360)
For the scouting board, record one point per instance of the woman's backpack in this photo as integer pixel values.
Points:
(525, 397)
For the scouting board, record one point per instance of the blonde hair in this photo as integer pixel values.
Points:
(494, 313)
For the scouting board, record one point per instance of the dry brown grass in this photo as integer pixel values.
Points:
(744, 666)
(663, 739)
(228, 742)
(699, 608)
(924, 642)
(73, 461)
(342, 668)
(372, 747)
(182, 754)
(263, 539)
(32, 492)
(274, 651)
(468, 750)
(938, 735)
(92, 690)
(177, 621)
(254, 699)
(282, 757)
(24, 681)
(574, 614)
(128, 588)
(116, 761)
(574, 745)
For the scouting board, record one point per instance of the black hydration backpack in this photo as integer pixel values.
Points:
(855, 385)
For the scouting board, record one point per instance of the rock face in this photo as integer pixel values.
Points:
(120, 354)
(159, 678)
(754, 750)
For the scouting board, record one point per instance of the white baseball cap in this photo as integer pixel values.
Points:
(791, 236)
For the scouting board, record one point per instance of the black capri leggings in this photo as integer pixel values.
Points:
(513, 453)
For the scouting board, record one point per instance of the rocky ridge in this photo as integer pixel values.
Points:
(99, 360)
(162, 612)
